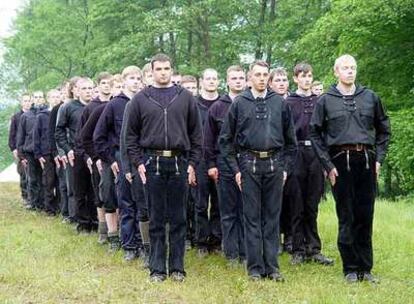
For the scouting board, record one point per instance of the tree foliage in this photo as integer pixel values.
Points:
(57, 39)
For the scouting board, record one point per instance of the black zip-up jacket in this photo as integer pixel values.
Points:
(14, 128)
(52, 127)
(212, 127)
(88, 129)
(86, 113)
(41, 143)
(263, 124)
(302, 108)
(108, 129)
(203, 106)
(174, 127)
(25, 132)
(354, 119)
(125, 160)
(67, 124)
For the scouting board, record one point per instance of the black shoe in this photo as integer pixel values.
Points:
(83, 228)
(129, 255)
(188, 245)
(297, 259)
(367, 276)
(276, 276)
(177, 276)
(321, 259)
(255, 277)
(351, 277)
(157, 277)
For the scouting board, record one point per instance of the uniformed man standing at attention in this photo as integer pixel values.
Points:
(350, 133)
(259, 128)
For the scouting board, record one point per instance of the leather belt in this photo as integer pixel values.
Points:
(166, 153)
(353, 147)
(306, 143)
(262, 154)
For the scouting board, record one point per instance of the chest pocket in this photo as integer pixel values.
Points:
(367, 118)
(336, 122)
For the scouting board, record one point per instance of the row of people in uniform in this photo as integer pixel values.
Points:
(146, 153)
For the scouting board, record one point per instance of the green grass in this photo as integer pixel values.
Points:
(44, 261)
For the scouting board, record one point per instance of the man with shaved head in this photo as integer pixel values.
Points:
(350, 133)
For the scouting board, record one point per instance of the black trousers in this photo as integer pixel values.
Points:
(49, 183)
(191, 225)
(207, 213)
(262, 183)
(35, 189)
(354, 194)
(83, 193)
(96, 182)
(286, 212)
(167, 185)
(231, 211)
(23, 180)
(71, 201)
(306, 186)
(62, 193)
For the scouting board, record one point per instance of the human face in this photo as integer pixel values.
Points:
(259, 77)
(304, 80)
(53, 98)
(148, 79)
(236, 81)
(116, 88)
(209, 81)
(38, 98)
(176, 79)
(85, 90)
(280, 84)
(346, 71)
(162, 72)
(317, 90)
(104, 87)
(133, 82)
(191, 86)
(26, 102)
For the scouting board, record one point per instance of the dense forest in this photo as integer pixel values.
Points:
(57, 39)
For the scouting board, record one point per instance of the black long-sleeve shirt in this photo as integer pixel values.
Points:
(41, 142)
(302, 108)
(25, 132)
(349, 119)
(212, 127)
(52, 127)
(261, 124)
(174, 126)
(14, 127)
(67, 124)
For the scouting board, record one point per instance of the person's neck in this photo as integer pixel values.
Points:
(257, 93)
(83, 101)
(104, 97)
(162, 86)
(128, 93)
(233, 95)
(302, 92)
(346, 89)
(207, 95)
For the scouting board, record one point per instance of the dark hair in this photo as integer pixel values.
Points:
(302, 67)
(160, 57)
(279, 71)
(188, 78)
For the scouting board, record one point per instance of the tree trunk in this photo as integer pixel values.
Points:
(272, 17)
(260, 24)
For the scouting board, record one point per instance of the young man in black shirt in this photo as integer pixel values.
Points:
(258, 143)
(350, 133)
(163, 140)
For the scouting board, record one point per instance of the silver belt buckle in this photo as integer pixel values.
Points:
(308, 143)
(359, 147)
(167, 153)
(263, 154)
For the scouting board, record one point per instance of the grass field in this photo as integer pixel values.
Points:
(44, 261)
